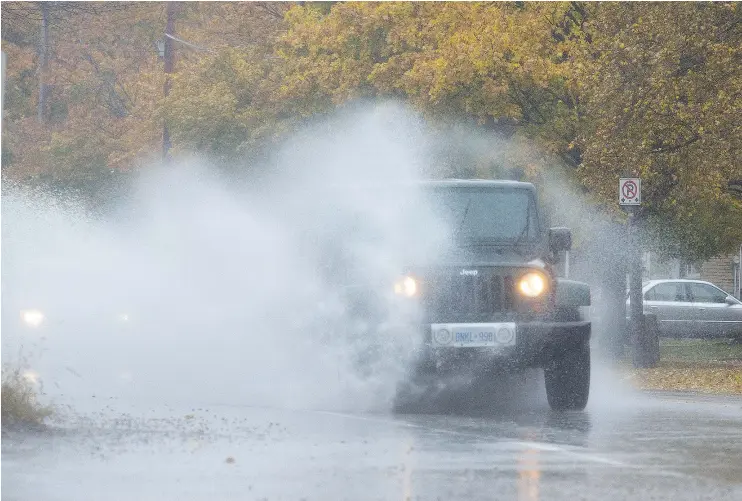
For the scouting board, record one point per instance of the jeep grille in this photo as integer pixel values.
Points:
(450, 296)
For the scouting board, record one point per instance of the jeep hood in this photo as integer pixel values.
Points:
(487, 255)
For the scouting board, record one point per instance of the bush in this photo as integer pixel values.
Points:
(20, 405)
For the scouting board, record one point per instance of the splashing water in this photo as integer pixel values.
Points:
(200, 291)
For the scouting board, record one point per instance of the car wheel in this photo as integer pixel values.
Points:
(567, 378)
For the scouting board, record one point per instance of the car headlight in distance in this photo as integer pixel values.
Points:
(532, 284)
(32, 318)
(405, 286)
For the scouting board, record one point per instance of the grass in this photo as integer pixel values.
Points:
(700, 350)
(19, 400)
(708, 366)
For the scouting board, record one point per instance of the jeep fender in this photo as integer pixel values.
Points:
(571, 294)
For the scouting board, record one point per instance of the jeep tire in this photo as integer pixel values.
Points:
(567, 378)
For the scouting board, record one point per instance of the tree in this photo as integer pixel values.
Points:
(98, 78)
(52, 20)
(220, 101)
(501, 65)
(661, 87)
(615, 89)
(607, 89)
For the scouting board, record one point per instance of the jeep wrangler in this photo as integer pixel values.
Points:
(494, 301)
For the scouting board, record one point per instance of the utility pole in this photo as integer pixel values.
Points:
(43, 62)
(2, 99)
(171, 12)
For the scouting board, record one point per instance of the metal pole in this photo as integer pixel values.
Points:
(635, 289)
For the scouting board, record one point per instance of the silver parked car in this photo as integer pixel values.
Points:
(692, 308)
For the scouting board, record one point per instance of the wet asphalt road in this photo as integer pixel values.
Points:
(636, 446)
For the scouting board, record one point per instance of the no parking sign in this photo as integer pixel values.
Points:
(630, 191)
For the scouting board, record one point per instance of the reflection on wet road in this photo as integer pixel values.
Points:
(658, 447)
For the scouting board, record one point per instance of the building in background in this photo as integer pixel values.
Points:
(723, 271)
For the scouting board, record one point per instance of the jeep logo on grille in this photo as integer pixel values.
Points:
(469, 273)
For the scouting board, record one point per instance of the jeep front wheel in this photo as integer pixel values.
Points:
(567, 378)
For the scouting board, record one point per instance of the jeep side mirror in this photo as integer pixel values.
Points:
(560, 239)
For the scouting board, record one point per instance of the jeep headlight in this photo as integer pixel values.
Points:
(32, 318)
(532, 284)
(406, 286)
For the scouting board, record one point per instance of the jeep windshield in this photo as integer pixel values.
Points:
(488, 215)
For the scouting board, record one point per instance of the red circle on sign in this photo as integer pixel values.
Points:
(629, 189)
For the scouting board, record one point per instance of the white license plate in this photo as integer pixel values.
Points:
(472, 335)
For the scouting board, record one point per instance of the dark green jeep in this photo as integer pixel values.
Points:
(493, 300)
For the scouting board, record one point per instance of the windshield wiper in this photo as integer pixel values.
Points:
(523, 233)
(460, 226)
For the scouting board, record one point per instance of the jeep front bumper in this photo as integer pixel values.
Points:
(452, 347)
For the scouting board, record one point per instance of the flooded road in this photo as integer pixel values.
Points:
(662, 446)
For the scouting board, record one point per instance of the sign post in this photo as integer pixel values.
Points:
(630, 197)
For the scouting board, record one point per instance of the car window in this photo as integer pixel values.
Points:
(703, 293)
(667, 291)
